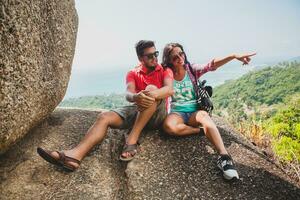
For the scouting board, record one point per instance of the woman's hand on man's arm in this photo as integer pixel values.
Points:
(166, 91)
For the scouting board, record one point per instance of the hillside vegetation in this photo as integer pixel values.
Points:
(265, 106)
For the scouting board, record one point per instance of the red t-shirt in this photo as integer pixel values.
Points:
(142, 80)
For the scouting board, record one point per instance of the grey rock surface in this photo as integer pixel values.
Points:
(37, 44)
(166, 168)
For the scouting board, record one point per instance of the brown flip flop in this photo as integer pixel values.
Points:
(60, 162)
(130, 148)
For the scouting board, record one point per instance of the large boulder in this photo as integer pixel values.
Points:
(166, 167)
(37, 41)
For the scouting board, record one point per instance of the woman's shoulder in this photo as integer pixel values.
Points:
(168, 72)
(168, 69)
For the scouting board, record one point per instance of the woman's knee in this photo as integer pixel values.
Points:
(204, 118)
(201, 116)
(170, 128)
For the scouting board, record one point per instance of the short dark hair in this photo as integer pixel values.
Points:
(141, 45)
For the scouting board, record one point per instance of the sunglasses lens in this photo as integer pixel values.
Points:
(153, 55)
(177, 56)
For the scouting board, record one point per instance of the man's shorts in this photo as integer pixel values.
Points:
(129, 113)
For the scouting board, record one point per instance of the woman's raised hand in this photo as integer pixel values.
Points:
(245, 58)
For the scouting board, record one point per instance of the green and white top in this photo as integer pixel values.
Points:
(184, 98)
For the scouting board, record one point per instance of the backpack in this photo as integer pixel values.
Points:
(203, 93)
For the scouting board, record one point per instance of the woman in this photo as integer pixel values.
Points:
(184, 117)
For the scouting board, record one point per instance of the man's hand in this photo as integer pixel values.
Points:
(245, 58)
(143, 100)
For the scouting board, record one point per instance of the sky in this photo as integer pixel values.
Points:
(108, 31)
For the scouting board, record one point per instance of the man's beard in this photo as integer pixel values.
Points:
(151, 67)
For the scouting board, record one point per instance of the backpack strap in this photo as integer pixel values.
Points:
(192, 76)
(201, 94)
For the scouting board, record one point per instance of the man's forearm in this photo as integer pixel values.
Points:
(162, 92)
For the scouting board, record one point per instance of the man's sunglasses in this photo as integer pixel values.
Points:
(177, 56)
(152, 55)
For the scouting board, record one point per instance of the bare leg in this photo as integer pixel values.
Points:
(93, 136)
(174, 125)
(141, 120)
(210, 129)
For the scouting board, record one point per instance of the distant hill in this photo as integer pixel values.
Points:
(99, 101)
(295, 59)
(267, 87)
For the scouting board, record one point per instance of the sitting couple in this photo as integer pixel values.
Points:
(148, 86)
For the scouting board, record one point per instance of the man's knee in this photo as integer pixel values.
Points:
(106, 117)
(102, 117)
(151, 87)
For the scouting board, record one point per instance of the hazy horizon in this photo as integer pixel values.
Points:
(108, 31)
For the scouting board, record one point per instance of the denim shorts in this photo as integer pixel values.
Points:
(185, 115)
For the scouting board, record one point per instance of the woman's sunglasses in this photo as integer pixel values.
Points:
(177, 56)
(152, 55)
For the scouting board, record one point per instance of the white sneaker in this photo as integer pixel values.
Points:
(226, 165)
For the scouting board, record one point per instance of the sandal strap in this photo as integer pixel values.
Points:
(64, 159)
(72, 160)
(130, 148)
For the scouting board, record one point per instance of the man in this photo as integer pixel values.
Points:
(147, 87)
